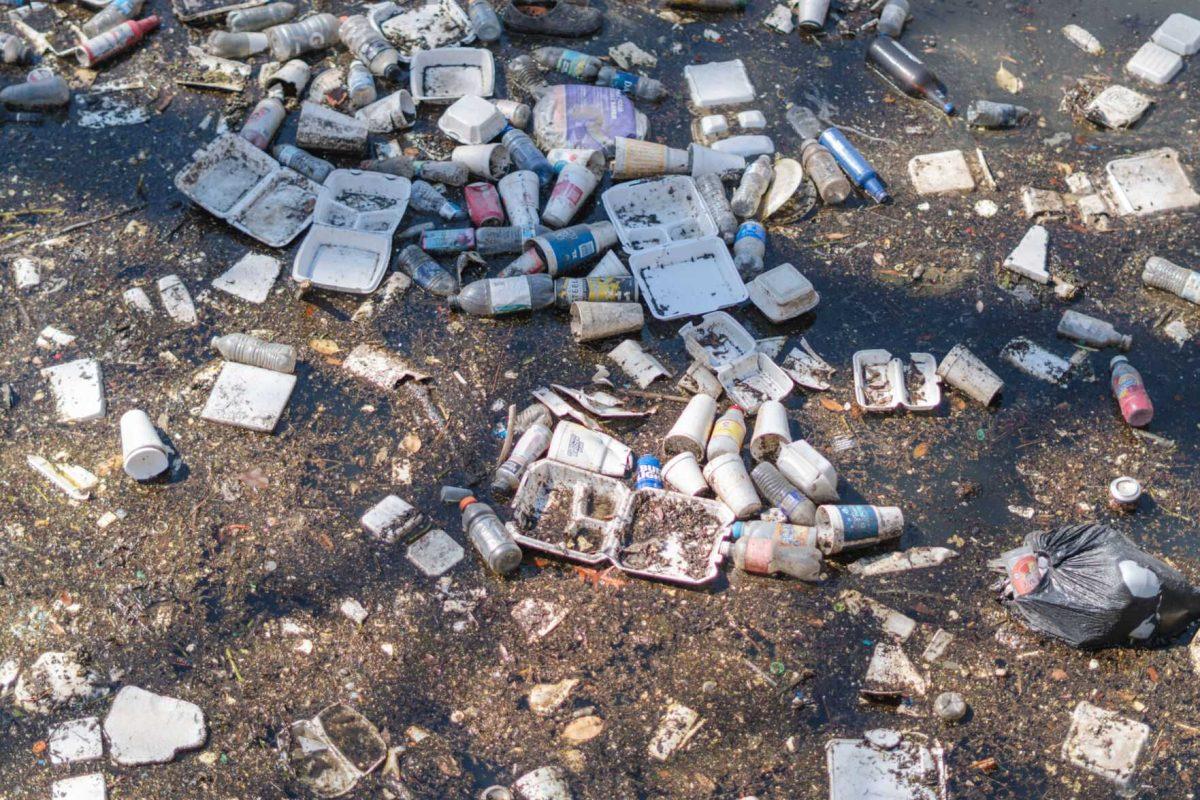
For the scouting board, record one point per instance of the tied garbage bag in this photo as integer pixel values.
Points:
(1091, 587)
(587, 117)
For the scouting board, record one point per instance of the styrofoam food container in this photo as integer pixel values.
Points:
(448, 73)
(688, 278)
(472, 120)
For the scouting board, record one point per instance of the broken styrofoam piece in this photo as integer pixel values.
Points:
(663, 553)
(26, 273)
(353, 610)
(781, 19)
(1035, 360)
(892, 621)
(806, 368)
(635, 362)
(1179, 33)
(136, 298)
(51, 337)
(448, 73)
(74, 741)
(251, 278)
(754, 379)
(380, 367)
(543, 783)
(629, 56)
(941, 173)
(884, 383)
(147, 728)
(1042, 203)
(1150, 182)
(55, 681)
(887, 765)
(1117, 107)
(721, 83)
(248, 397)
(1105, 743)
(1154, 64)
(74, 481)
(1029, 257)
(332, 751)
(675, 729)
(414, 27)
(600, 403)
(688, 278)
(176, 300)
(78, 389)
(393, 519)
(891, 675)
(902, 561)
(80, 787)
(435, 553)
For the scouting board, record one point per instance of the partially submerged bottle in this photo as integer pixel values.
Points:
(450, 173)
(529, 447)
(752, 187)
(112, 15)
(893, 17)
(263, 122)
(494, 297)
(712, 191)
(489, 536)
(527, 155)
(907, 72)
(1130, 391)
(297, 38)
(761, 556)
(50, 91)
(568, 62)
(361, 85)
(361, 38)
(855, 166)
(986, 114)
(484, 20)
(1170, 277)
(638, 86)
(425, 272)
(749, 247)
(781, 493)
(428, 199)
(302, 161)
(1091, 331)
(260, 18)
(727, 434)
(822, 168)
(243, 348)
(115, 40)
(235, 45)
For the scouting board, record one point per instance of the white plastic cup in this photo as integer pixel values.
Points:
(811, 14)
(574, 185)
(488, 161)
(848, 527)
(590, 450)
(771, 431)
(808, 470)
(705, 161)
(690, 432)
(682, 473)
(592, 321)
(592, 159)
(634, 158)
(963, 370)
(519, 193)
(142, 451)
(728, 477)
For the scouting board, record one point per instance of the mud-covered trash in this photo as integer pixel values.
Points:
(886, 764)
(75, 741)
(380, 367)
(543, 783)
(78, 390)
(1105, 743)
(393, 519)
(1117, 107)
(941, 173)
(80, 787)
(1091, 587)
(74, 481)
(545, 698)
(891, 675)
(332, 751)
(248, 397)
(1151, 182)
(675, 729)
(1036, 361)
(913, 558)
(55, 681)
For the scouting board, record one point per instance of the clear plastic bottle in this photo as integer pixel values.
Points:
(613, 289)
(785, 532)
(1179, 281)
(781, 493)
(371, 48)
(633, 85)
(494, 297)
(112, 15)
(502, 240)
(484, 20)
(526, 155)
(260, 18)
(822, 168)
(1091, 331)
(770, 557)
(907, 72)
(246, 349)
(13, 50)
(263, 122)
(429, 200)
(892, 18)
(297, 38)
(524, 75)
(728, 433)
(451, 173)
(49, 92)
(302, 161)
(528, 448)
(425, 272)
(532, 414)
(1130, 391)
(517, 114)
(749, 247)
(568, 62)
(489, 536)
(712, 191)
(361, 84)
(235, 45)
(753, 186)
(986, 114)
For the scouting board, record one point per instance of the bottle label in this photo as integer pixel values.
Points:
(448, 241)
(797, 535)
(731, 427)
(625, 81)
(1125, 383)
(573, 63)
(568, 192)
(858, 523)
(510, 295)
(564, 251)
(649, 476)
(791, 501)
(751, 230)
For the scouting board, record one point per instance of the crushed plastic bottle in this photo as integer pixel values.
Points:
(112, 15)
(361, 85)
(761, 556)
(263, 122)
(523, 75)
(527, 155)
(1130, 391)
(855, 165)
(494, 297)
(302, 161)
(712, 191)
(569, 62)
(728, 433)
(425, 272)
(429, 200)
(489, 536)
(909, 74)
(749, 247)
(360, 38)
(753, 186)
(892, 18)
(633, 85)
(260, 18)
(243, 348)
(484, 20)
(115, 40)
(1170, 277)
(297, 38)
(529, 447)
(1092, 332)
(779, 492)
(986, 114)
(235, 45)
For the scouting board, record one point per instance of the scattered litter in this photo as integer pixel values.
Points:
(331, 752)
(941, 173)
(249, 397)
(379, 367)
(1105, 743)
(1151, 182)
(639, 365)
(1029, 257)
(81, 787)
(676, 728)
(914, 558)
(75, 741)
(435, 553)
(78, 389)
(885, 764)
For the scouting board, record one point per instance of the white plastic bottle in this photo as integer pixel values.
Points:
(728, 433)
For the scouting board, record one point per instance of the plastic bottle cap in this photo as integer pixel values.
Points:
(948, 108)
(737, 530)
(466, 501)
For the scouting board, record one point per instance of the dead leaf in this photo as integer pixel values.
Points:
(829, 404)
(1008, 81)
(325, 347)
(920, 450)
(412, 443)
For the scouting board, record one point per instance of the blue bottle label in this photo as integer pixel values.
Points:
(454, 240)
(751, 230)
(859, 522)
(790, 502)
(625, 81)
(427, 272)
(568, 250)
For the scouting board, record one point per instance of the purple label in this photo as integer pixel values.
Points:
(596, 115)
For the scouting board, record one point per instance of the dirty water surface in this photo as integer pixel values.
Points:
(221, 584)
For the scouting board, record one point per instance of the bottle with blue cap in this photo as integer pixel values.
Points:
(855, 165)
(649, 473)
(909, 74)
(749, 246)
(779, 492)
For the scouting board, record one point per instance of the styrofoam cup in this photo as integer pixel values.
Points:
(808, 470)
(682, 473)
(847, 527)
(591, 321)
(637, 159)
(727, 475)
(811, 14)
(490, 161)
(574, 185)
(519, 193)
(770, 431)
(963, 370)
(690, 432)
(592, 159)
(142, 451)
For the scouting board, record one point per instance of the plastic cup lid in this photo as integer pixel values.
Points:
(1125, 489)
(146, 462)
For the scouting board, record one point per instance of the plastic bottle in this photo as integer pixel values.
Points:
(13, 50)
(484, 20)
(1091, 331)
(425, 272)
(112, 15)
(361, 84)
(753, 186)
(779, 492)
(327, 87)
(907, 72)
(489, 536)
(986, 114)
(297, 38)
(530, 446)
(749, 246)
(649, 473)
(504, 239)
(1130, 391)
(371, 48)
(594, 290)
(1179, 281)
(235, 45)
(246, 349)
(448, 241)
(728, 432)
(770, 557)
(856, 167)
(568, 62)
(785, 532)
(302, 161)
(260, 18)
(517, 114)
(637, 86)
(49, 92)
(428, 199)
(822, 168)
(494, 297)
(712, 191)
(450, 173)
(532, 414)
(263, 122)
(115, 40)
(523, 74)
(526, 155)
(892, 18)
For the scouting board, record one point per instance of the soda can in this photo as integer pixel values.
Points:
(483, 205)
(649, 473)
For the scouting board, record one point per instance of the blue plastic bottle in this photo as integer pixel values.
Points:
(857, 167)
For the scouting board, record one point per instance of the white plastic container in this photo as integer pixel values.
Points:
(714, 125)
(809, 471)
(721, 83)
(472, 120)
(690, 432)
(687, 278)
(717, 340)
(1154, 64)
(682, 473)
(783, 293)
(577, 446)
(771, 431)
(752, 379)
(1179, 33)
(880, 383)
(142, 451)
(489, 161)
(652, 213)
(589, 493)
(445, 74)
(728, 477)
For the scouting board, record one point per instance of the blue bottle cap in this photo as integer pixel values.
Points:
(737, 530)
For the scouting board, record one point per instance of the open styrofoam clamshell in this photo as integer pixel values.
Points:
(657, 211)
(235, 181)
(717, 340)
(350, 244)
(752, 380)
(565, 511)
(668, 536)
(422, 26)
(688, 278)
(884, 383)
(448, 73)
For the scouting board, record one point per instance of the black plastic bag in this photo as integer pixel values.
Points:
(1091, 587)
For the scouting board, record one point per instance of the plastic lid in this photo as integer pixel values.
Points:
(1125, 489)
(1117, 360)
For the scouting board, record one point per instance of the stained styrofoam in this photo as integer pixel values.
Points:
(688, 278)
(534, 491)
(657, 211)
(472, 120)
(717, 340)
(1179, 33)
(887, 377)
(1154, 64)
(754, 379)
(422, 26)
(617, 548)
(447, 73)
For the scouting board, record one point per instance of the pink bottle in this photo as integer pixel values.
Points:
(1131, 393)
